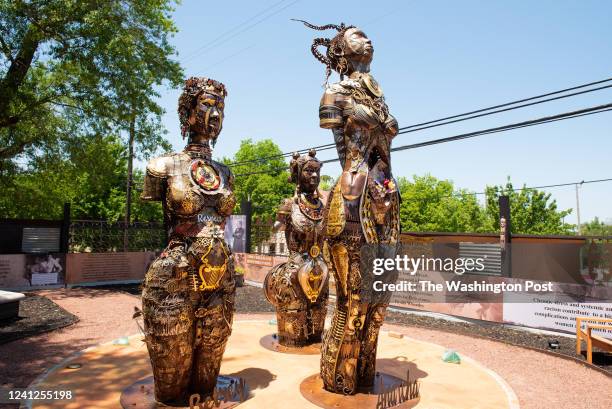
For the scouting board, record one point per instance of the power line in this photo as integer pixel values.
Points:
(423, 125)
(523, 124)
(582, 182)
(537, 121)
(407, 128)
(518, 101)
(220, 40)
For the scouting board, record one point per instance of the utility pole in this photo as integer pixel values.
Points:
(128, 190)
(505, 235)
(578, 208)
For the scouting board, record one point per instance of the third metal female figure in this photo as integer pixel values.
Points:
(362, 209)
(188, 294)
(298, 288)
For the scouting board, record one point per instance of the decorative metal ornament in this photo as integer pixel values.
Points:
(205, 175)
(188, 291)
(362, 208)
(371, 85)
(298, 288)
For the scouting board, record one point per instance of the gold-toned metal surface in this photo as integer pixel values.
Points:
(388, 392)
(363, 207)
(298, 288)
(229, 393)
(188, 291)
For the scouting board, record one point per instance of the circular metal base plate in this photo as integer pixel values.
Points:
(271, 343)
(312, 389)
(141, 395)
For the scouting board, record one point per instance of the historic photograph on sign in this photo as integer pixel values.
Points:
(235, 232)
(46, 269)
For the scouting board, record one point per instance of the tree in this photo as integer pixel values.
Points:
(597, 227)
(98, 60)
(326, 183)
(264, 181)
(89, 172)
(531, 211)
(430, 204)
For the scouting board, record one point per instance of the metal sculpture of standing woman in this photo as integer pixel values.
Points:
(363, 207)
(298, 288)
(188, 295)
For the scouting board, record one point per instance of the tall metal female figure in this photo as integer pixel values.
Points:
(363, 207)
(188, 296)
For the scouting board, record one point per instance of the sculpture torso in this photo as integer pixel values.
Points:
(363, 128)
(303, 223)
(197, 194)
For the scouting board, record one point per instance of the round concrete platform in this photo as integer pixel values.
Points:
(274, 378)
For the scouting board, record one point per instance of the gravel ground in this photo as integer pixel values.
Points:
(567, 346)
(539, 380)
(37, 314)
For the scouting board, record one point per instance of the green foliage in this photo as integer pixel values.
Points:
(90, 173)
(98, 61)
(531, 211)
(429, 204)
(596, 227)
(326, 183)
(265, 189)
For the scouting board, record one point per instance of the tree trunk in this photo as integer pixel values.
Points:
(128, 198)
(9, 86)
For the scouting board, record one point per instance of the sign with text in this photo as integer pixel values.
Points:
(104, 267)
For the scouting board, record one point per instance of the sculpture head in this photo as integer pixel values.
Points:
(349, 51)
(305, 172)
(201, 108)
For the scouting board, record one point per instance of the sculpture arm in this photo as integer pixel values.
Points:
(227, 201)
(155, 179)
(331, 116)
(283, 214)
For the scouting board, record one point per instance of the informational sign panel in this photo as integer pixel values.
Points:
(31, 271)
(13, 271)
(104, 267)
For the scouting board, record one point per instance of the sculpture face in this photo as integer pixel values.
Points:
(206, 117)
(358, 47)
(310, 177)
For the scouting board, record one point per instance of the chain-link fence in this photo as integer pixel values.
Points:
(100, 236)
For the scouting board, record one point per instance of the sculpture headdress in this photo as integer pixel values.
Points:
(194, 86)
(334, 56)
(297, 164)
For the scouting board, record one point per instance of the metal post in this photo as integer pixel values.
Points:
(246, 208)
(505, 235)
(578, 210)
(65, 230)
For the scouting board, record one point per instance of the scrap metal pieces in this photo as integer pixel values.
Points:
(188, 291)
(362, 209)
(298, 288)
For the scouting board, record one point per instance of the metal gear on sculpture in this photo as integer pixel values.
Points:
(188, 294)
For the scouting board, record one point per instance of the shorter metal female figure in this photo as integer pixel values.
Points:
(298, 288)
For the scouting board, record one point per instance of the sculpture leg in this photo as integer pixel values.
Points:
(169, 340)
(168, 325)
(292, 326)
(316, 317)
(212, 330)
(341, 347)
(366, 366)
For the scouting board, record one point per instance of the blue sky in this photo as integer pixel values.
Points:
(433, 59)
